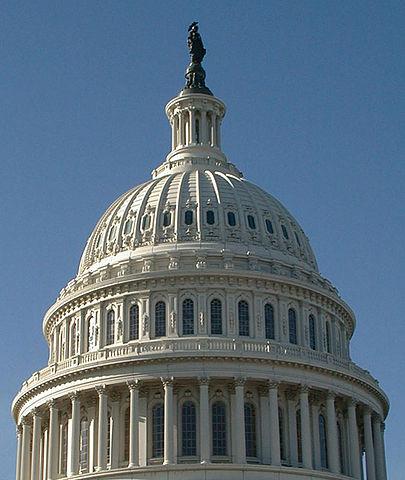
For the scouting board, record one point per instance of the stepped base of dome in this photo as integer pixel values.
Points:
(220, 471)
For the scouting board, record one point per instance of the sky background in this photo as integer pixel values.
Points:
(315, 97)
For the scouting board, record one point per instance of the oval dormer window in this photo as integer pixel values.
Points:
(167, 219)
(128, 227)
(269, 226)
(231, 219)
(297, 238)
(145, 222)
(188, 217)
(210, 217)
(111, 235)
(251, 222)
(285, 233)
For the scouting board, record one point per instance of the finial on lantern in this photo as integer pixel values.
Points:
(195, 74)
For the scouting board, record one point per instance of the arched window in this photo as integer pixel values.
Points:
(210, 217)
(126, 435)
(134, 322)
(188, 430)
(188, 316)
(157, 430)
(299, 435)
(216, 317)
(297, 238)
(73, 332)
(312, 332)
(84, 445)
(269, 226)
(197, 130)
(269, 321)
(251, 222)
(281, 433)
(292, 326)
(250, 430)
(285, 233)
(328, 338)
(167, 219)
(231, 219)
(110, 330)
(160, 319)
(243, 317)
(219, 429)
(188, 217)
(322, 442)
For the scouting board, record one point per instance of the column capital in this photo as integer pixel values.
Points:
(331, 395)
(239, 381)
(263, 390)
(367, 410)
(352, 402)
(382, 426)
(315, 398)
(291, 394)
(101, 390)
(204, 381)
(74, 396)
(35, 412)
(133, 384)
(18, 430)
(52, 403)
(273, 384)
(167, 381)
(304, 388)
(25, 421)
(376, 417)
(115, 396)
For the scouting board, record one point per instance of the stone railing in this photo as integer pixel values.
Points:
(200, 346)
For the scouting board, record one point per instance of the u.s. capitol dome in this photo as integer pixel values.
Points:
(198, 339)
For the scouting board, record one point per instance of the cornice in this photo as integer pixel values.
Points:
(69, 376)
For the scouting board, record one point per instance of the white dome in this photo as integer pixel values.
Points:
(217, 203)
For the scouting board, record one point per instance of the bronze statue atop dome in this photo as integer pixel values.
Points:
(195, 74)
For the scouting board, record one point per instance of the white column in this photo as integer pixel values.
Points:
(25, 454)
(265, 422)
(214, 129)
(53, 440)
(192, 127)
(168, 422)
(332, 437)
(18, 456)
(174, 133)
(133, 423)
(378, 449)
(355, 467)
(274, 425)
(102, 428)
(73, 459)
(239, 421)
(292, 427)
(205, 443)
(305, 429)
(36, 444)
(368, 444)
(315, 431)
(45, 455)
(181, 128)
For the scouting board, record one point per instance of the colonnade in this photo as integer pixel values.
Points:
(287, 429)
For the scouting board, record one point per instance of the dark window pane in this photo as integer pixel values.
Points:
(292, 326)
(157, 431)
(210, 217)
(110, 330)
(216, 317)
(134, 322)
(250, 430)
(312, 332)
(243, 316)
(269, 226)
(251, 222)
(188, 217)
(189, 429)
(269, 321)
(231, 219)
(297, 238)
(160, 319)
(285, 233)
(167, 219)
(188, 317)
(219, 429)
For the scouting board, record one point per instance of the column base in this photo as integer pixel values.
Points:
(205, 462)
(133, 465)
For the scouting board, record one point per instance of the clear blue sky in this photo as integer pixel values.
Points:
(315, 96)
